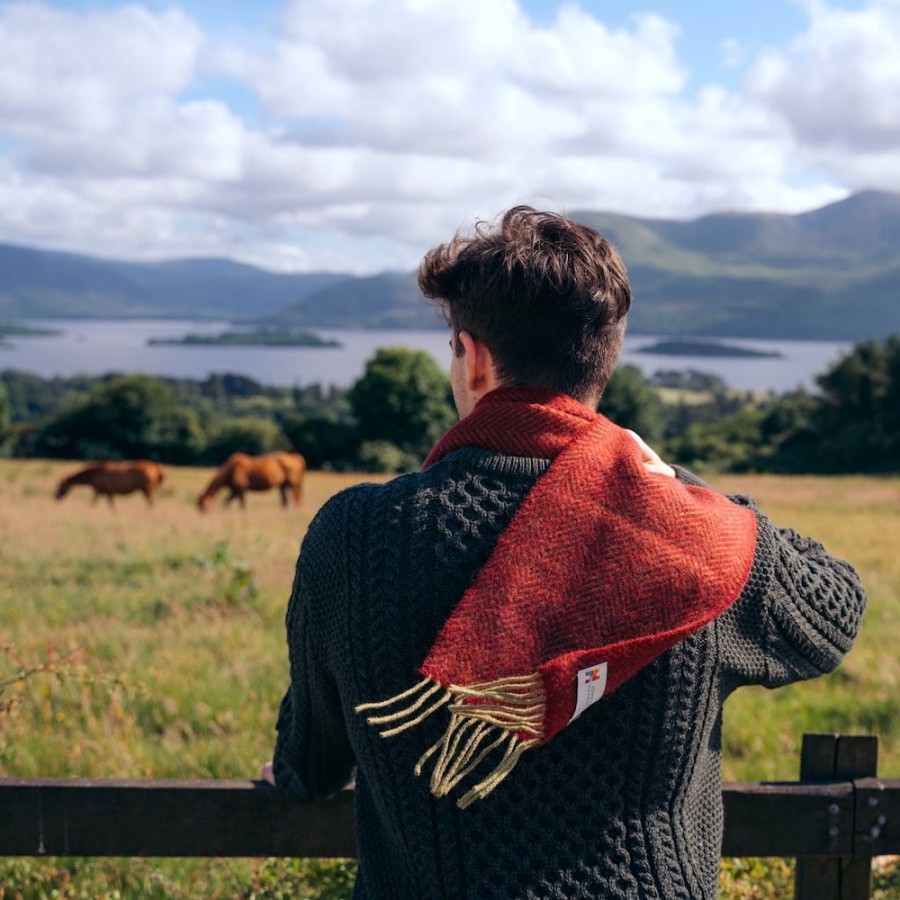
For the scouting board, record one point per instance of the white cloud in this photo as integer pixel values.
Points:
(836, 84)
(468, 78)
(383, 126)
(77, 70)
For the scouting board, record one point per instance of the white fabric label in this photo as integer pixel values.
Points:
(591, 685)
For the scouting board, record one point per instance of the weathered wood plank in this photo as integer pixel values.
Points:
(818, 878)
(85, 817)
(788, 819)
(817, 757)
(877, 816)
(89, 817)
(825, 757)
(196, 818)
(856, 757)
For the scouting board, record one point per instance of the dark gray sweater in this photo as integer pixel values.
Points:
(625, 801)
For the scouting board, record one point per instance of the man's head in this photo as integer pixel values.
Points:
(548, 298)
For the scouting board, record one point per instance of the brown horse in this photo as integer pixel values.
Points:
(109, 478)
(241, 473)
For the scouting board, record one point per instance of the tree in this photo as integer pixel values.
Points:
(630, 401)
(248, 434)
(382, 456)
(858, 418)
(129, 417)
(326, 443)
(730, 444)
(5, 413)
(788, 440)
(859, 385)
(403, 398)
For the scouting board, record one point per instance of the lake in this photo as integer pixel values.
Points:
(95, 347)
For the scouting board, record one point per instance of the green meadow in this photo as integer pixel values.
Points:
(149, 642)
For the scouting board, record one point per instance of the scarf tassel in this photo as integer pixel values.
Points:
(483, 718)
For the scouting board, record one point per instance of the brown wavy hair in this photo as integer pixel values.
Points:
(547, 295)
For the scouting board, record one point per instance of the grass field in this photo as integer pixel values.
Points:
(164, 631)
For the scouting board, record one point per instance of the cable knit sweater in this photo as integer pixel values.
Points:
(623, 803)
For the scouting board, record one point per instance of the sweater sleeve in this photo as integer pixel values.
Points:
(798, 613)
(313, 757)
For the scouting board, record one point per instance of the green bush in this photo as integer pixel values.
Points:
(5, 413)
(403, 398)
(251, 434)
(129, 417)
(630, 401)
(325, 443)
(383, 456)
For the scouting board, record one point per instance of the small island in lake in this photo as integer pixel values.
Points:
(704, 348)
(260, 338)
(11, 329)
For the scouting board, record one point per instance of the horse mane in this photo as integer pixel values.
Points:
(82, 476)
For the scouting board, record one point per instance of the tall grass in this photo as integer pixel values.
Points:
(857, 519)
(173, 620)
(163, 631)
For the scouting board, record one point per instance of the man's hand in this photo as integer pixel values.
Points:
(267, 774)
(652, 462)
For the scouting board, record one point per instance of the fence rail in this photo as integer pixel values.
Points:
(834, 820)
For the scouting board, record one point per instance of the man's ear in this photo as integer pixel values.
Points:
(480, 372)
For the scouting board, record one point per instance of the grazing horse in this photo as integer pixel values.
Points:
(241, 473)
(109, 478)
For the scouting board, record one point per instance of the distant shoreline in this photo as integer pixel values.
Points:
(97, 346)
(13, 329)
(264, 338)
(705, 348)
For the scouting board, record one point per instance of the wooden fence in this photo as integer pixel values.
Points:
(834, 820)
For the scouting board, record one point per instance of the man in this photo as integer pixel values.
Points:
(522, 651)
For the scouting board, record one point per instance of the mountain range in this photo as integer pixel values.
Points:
(833, 273)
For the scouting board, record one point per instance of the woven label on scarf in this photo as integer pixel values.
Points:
(591, 685)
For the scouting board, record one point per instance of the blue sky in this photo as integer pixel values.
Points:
(703, 27)
(352, 135)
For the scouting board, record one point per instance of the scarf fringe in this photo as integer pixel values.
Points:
(483, 717)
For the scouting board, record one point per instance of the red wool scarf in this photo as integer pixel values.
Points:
(604, 567)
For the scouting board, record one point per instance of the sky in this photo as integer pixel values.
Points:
(353, 135)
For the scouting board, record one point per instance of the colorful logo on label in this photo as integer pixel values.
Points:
(590, 686)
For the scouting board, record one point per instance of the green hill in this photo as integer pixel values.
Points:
(46, 284)
(389, 300)
(833, 273)
(830, 273)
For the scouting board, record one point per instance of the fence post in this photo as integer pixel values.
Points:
(831, 757)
